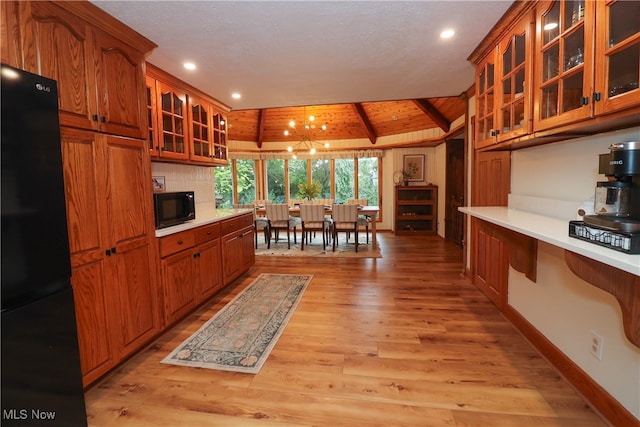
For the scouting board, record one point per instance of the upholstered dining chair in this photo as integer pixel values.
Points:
(345, 218)
(278, 218)
(313, 219)
(259, 222)
(363, 221)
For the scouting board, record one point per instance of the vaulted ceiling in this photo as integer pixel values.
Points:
(368, 120)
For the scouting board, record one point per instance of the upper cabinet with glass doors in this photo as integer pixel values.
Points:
(503, 86)
(587, 60)
(618, 55)
(185, 125)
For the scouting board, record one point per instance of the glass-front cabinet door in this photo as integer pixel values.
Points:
(219, 139)
(618, 55)
(173, 115)
(564, 62)
(152, 139)
(201, 146)
(513, 107)
(485, 94)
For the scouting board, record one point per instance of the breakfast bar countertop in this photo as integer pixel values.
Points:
(203, 217)
(555, 232)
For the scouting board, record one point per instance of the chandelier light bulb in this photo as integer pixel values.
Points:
(289, 149)
(326, 145)
(312, 118)
(294, 157)
(286, 133)
(292, 124)
(312, 151)
(324, 127)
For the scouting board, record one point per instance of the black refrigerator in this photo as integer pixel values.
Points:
(41, 377)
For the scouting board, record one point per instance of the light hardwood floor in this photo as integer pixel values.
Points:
(402, 340)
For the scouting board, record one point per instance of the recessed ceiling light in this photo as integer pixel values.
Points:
(236, 95)
(447, 34)
(189, 65)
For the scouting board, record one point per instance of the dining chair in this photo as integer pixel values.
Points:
(325, 202)
(345, 218)
(261, 202)
(293, 202)
(363, 220)
(278, 218)
(313, 219)
(259, 222)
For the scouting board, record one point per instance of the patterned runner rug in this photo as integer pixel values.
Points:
(240, 337)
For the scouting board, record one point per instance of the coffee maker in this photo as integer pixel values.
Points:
(617, 201)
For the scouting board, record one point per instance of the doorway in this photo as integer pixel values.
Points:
(454, 193)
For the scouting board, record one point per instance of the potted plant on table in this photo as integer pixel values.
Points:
(309, 191)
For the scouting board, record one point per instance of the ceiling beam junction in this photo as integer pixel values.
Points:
(366, 123)
(433, 113)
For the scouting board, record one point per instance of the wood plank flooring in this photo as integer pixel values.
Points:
(402, 340)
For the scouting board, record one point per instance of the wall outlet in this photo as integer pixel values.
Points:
(597, 345)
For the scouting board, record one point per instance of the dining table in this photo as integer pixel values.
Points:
(370, 212)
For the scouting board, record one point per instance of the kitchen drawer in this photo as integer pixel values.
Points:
(237, 223)
(207, 232)
(177, 242)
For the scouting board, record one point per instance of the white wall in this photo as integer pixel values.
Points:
(560, 305)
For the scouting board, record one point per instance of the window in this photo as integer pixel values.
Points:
(344, 180)
(368, 180)
(321, 173)
(245, 181)
(297, 175)
(276, 190)
(223, 187)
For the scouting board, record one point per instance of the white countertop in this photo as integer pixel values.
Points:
(203, 217)
(553, 231)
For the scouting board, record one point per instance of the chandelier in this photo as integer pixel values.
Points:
(306, 136)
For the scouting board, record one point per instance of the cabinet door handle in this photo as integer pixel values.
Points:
(94, 117)
(585, 100)
(107, 252)
(113, 250)
(596, 96)
(103, 119)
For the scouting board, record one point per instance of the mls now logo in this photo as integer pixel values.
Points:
(24, 414)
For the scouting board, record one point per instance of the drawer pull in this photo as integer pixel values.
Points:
(180, 242)
(208, 233)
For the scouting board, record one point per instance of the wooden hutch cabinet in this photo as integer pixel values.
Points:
(186, 125)
(416, 209)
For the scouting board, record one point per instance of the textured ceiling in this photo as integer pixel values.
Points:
(292, 53)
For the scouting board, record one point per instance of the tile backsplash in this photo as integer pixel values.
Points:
(177, 177)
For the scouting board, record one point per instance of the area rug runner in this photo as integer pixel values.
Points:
(240, 337)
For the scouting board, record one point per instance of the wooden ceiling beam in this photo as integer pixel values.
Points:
(366, 123)
(262, 115)
(433, 113)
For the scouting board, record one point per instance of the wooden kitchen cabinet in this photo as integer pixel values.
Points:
(111, 239)
(503, 82)
(238, 252)
(577, 78)
(209, 261)
(100, 77)
(190, 126)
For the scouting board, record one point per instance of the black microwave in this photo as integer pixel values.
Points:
(173, 208)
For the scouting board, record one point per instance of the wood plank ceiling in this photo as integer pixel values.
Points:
(369, 120)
